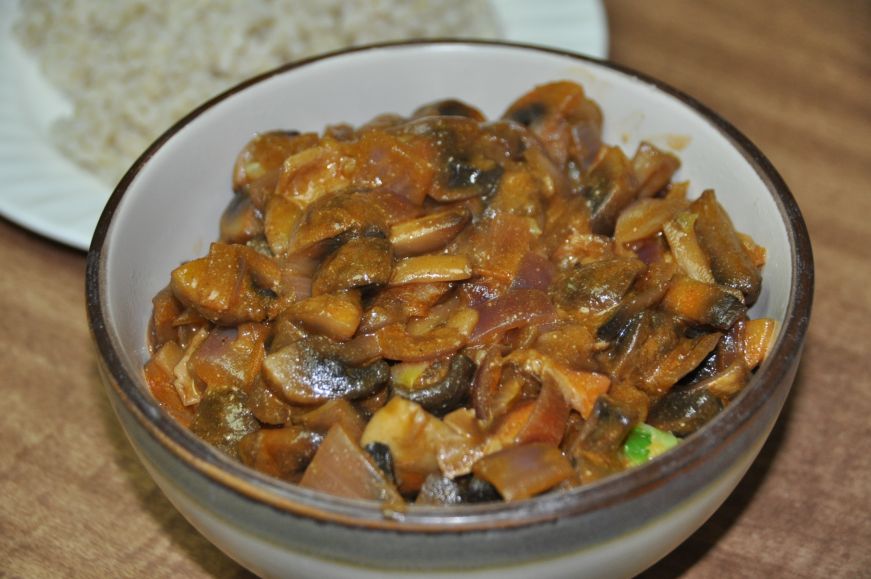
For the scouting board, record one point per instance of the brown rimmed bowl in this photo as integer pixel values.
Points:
(166, 209)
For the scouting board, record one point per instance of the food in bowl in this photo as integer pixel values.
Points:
(445, 310)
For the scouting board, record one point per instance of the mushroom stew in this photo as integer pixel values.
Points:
(444, 309)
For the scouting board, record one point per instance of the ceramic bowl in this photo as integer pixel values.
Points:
(166, 210)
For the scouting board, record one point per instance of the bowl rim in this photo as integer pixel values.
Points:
(286, 497)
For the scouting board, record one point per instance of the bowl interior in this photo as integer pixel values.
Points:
(167, 209)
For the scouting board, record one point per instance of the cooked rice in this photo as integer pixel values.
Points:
(131, 68)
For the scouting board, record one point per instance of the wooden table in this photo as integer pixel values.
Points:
(795, 76)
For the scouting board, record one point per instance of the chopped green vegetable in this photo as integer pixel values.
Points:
(646, 442)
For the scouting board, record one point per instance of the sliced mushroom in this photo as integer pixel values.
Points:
(598, 285)
(348, 214)
(365, 261)
(684, 410)
(439, 386)
(336, 316)
(312, 173)
(231, 285)
(162, 327)
(730, 263)
(465, 169)
(449, 108)
(646, 292)
(241, 220)
(280, 219)
(439, 490)
(645, 218)
(703, 303)
(562, 117)
(258, 164)
(607, 427)
(609, 188)
(684, 244)
(280, 452)
(382, 456)
(594, 446)
(680, 361)
(431, 268)
(223, 419)
(300, 375)
(416, 439)
(267, 407)
(429, 233)
(444, 333)
(653, 169)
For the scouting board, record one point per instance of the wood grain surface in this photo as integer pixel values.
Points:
(795, 76)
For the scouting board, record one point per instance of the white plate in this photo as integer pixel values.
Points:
(42, 190)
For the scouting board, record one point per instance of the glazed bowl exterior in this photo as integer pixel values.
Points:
(166, 210)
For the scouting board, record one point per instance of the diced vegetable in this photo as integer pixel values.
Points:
(547, 421)
(496, 246)
(524, 471)
(185, 386)
(340, 467)
(159, 375)
(165, 310)
(646, 443)
(230, 357)
(580, 389)
(516, 309)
